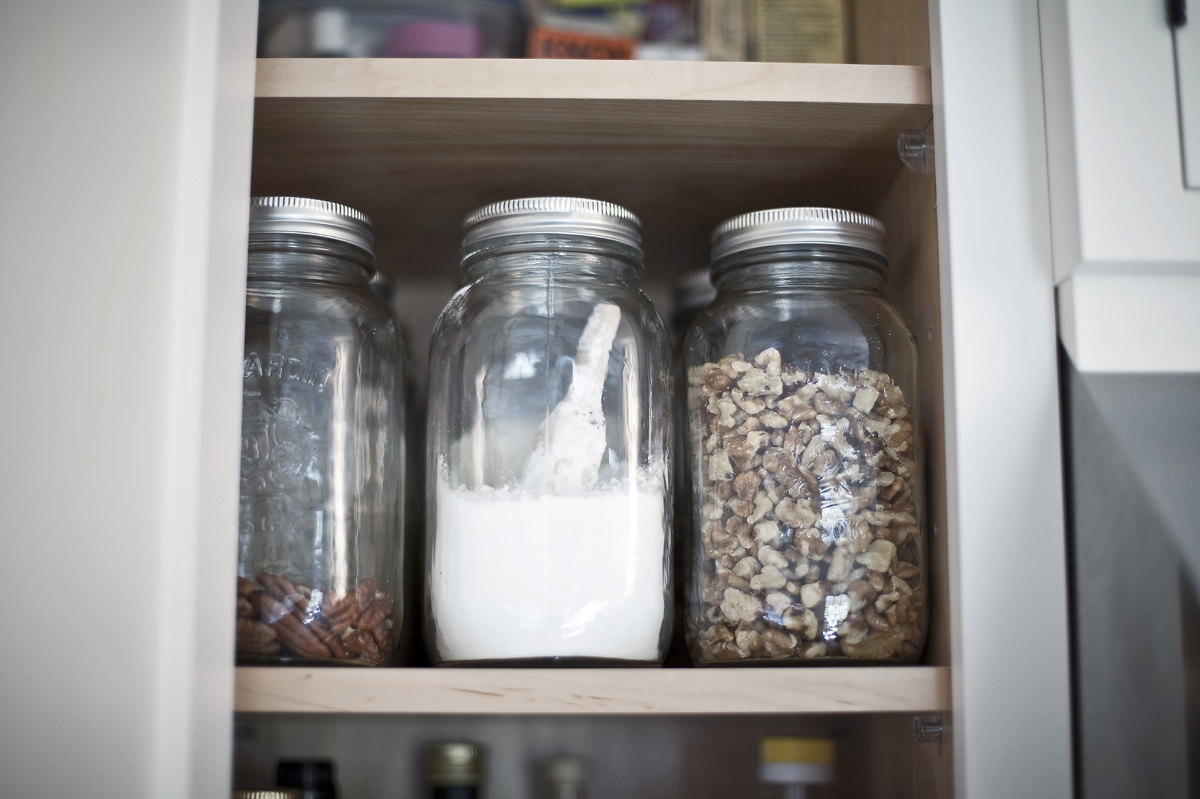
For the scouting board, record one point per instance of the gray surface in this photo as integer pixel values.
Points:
(1135, 495)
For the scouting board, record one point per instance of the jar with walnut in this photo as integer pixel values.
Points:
(803, 449)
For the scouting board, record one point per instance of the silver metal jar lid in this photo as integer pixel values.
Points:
(781, 227)
(303, 216)
(567, 216)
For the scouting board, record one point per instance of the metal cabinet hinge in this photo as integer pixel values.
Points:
(927, 731)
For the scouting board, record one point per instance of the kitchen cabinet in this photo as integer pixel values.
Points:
(1121, 131)
(416, 144)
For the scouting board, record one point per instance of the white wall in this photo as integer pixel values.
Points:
(122, 254)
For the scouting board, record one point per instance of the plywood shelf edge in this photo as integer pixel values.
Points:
(853, 84)
(830, 690)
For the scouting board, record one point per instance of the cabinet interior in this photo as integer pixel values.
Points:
(418, 145)
(644, 757)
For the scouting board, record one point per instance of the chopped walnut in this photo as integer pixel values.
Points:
(811, 544)
(738, 606)
(771, 557)
(769, 578)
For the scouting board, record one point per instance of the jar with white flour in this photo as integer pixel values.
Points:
(549, 445)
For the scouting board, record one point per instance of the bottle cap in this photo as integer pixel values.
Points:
(314, 778)
(790, 760)
(268, 793)
(571, 769)
(306, 217)
(453, 763)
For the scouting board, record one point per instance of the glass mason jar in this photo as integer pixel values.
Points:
(803, 449)
(322, 443)
(549, 445)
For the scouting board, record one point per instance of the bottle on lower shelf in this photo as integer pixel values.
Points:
(795, 768)
(314, 779)
(453, 770)
(567, 776)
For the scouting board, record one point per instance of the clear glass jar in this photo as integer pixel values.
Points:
(322, 443)
(803, 449)
(549, 445)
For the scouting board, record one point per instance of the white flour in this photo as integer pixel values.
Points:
(559, 568)
(522, 576)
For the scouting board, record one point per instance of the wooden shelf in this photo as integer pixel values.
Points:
(522, 79)
(417, 144)
(593, 691)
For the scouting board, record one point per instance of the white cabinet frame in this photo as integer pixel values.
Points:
(1010, 659)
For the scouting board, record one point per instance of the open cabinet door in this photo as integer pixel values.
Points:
(125, 164)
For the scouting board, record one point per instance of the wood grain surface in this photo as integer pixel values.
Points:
(593, 691)
(593, 80)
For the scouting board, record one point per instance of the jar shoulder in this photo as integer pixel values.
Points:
(500, 309)
(322, 312)
(816, 332)
(762, 316)
(801, 307)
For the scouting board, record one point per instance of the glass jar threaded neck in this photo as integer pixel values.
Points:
(531, 255)
(806, 268)
(296, 257)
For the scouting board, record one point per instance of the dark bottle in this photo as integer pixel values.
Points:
(313, 778)
(454, 770)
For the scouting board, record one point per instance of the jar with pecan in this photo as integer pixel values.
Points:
(803, 449)
(322, 443)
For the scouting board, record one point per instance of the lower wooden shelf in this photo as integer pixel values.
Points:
(593, 691)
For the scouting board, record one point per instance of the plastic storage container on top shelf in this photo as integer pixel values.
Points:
(322, 443)
(391, 29)
(803, 451)
(549, 445)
